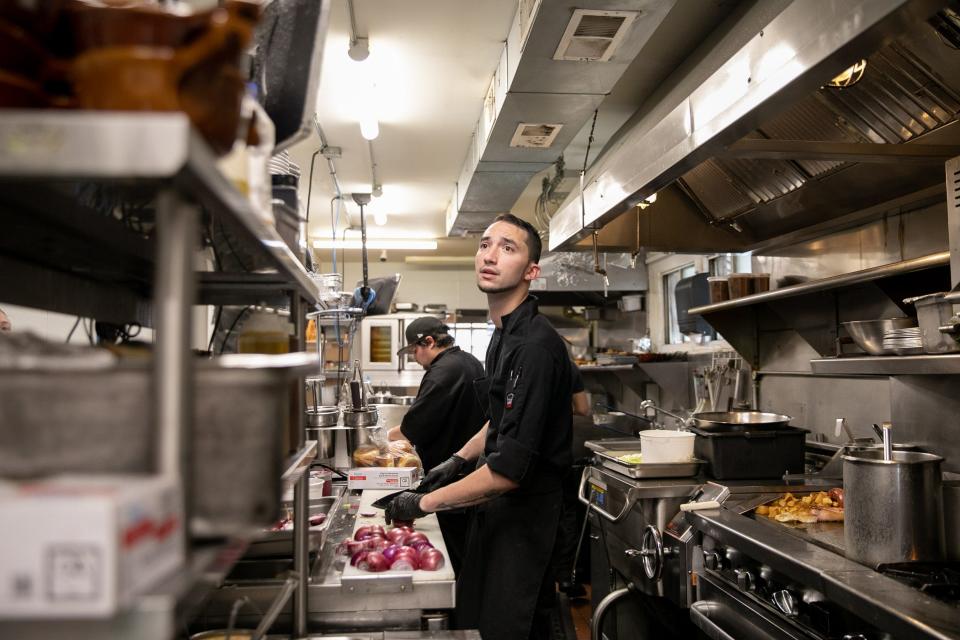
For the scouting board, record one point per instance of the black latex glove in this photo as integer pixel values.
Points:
(404, 507)
(442, 474)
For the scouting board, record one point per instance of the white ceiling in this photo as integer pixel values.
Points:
(431, 62)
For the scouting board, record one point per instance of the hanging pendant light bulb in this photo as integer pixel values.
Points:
(369, 127)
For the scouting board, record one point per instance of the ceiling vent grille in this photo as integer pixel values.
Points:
(535, 135)
(594, 35)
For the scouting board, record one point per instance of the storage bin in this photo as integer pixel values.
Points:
(57, 420)
(744, 454)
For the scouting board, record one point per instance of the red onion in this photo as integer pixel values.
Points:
(416, 535)
(318, 518)
(431, 559)
(369, 530)
(374, 562)
(404, 523)
(375, 543)
(420, 544)
(349, 547)
(357, 557)
(391, 552)
(397, 536)
(404, 563)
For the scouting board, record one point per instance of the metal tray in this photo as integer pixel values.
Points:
(280, 543)
(646, 470)
(613, 444)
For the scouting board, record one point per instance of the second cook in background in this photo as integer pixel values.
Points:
(445, 413)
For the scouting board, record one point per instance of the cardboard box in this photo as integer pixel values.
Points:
(86, 546)
(395, 478)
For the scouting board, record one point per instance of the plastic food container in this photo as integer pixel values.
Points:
(719, 289)
(740, 284)
(666, 446)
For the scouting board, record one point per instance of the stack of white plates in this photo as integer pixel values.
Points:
(282, 165)
(903, 341)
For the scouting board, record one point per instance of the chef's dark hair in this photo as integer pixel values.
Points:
(534, 246)
(441, 338)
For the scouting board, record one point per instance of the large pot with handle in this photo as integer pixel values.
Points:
(894, 508)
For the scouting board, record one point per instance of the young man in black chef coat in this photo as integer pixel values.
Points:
(446, 412)
(506, 586)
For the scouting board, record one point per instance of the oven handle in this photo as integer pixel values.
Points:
(627, 505)
(700, 615)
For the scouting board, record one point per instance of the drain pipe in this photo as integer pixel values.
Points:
(597, 624)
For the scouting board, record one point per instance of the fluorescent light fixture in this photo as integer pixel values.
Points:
(379, 218)
(415, 245)
(369, 127)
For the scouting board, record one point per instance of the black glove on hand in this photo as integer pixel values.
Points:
(404, 507)
(442, 474)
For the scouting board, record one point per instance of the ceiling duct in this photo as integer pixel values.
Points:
(560, 61)
(764, 147)
(594, 36)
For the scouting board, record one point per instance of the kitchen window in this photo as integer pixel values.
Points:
(670, 280)
(472, 337)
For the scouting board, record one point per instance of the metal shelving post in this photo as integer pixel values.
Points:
(174, 294)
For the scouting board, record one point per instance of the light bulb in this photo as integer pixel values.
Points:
(369, 128)
(379, 218)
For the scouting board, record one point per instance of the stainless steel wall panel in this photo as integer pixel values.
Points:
(816, 403)
(924, 410)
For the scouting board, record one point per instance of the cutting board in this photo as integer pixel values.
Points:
(428, 525)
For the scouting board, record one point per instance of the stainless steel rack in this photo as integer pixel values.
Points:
(74, 242)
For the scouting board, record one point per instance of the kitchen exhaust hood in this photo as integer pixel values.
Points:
(765, 146)
(561, 59)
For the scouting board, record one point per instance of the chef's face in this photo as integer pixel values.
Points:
(5, 326)
(503, 260)
(425, 353)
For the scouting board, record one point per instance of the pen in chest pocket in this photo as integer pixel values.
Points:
(514, 381)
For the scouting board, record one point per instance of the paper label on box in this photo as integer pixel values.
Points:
(382, 478)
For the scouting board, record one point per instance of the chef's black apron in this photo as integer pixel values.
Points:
(506, 588)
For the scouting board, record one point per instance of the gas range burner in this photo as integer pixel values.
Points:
(940, 580)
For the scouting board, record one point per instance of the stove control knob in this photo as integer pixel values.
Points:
(745, 580)
(786, 602)
(651, 552)
(712, 560)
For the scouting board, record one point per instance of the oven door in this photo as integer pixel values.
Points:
(723, 613)
(380, 339)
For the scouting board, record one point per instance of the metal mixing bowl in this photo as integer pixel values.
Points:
(868, 334)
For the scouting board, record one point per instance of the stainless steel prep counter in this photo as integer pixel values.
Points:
(342, 598)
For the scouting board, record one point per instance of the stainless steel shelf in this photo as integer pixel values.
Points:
(298, 464)
(143, 151)
(844, 280)
(947, 364)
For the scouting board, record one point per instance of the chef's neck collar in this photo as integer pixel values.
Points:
(525, 309)
(440, 355)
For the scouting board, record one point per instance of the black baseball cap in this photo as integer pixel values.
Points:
(420, 329)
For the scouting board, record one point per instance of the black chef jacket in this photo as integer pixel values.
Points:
(531, 419)
(506, 586)
(446, 412)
